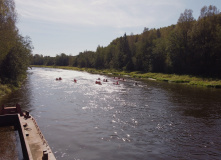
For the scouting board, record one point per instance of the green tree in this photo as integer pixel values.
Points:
(208, 11)
(99, 58)
(37, 59)
(8, 29)
(159, 56)
(14, 66)
(62, 60)
(49, 61)
(205, 40)
(178, 47)
(15, 50)
(189, 47)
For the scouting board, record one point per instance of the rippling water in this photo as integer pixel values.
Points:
(153, 120)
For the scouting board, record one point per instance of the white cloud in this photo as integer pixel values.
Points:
(113, 13)
(72, 26)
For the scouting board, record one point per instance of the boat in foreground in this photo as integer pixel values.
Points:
(33, 144)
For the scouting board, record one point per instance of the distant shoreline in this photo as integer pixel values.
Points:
(172, 78)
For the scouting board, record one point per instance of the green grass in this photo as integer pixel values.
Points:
(9, 87)
(5, 89)
(171, 78)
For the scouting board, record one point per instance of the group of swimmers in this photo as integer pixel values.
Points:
(99, 82)
(118, 78)
(58, 79)
(105, 80)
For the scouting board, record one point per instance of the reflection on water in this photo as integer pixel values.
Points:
(151, 120)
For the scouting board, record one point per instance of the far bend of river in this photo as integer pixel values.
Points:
(154, 120)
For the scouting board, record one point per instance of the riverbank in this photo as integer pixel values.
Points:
(8, 88)
(171, 78)
(5, 89)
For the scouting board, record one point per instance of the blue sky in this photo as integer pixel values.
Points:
(73, 26)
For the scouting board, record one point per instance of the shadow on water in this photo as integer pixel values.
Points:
(22, 96)
(197, 102)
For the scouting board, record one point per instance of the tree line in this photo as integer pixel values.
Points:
(189, 47)
(15, 50)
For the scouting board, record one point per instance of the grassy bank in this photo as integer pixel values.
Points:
(173, 78)
(5, 89)
(8, 88)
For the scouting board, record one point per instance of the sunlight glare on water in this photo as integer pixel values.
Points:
(151, 120)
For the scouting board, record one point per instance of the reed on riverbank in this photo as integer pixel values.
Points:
(173, 78)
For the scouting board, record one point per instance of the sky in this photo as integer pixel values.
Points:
(74, 26)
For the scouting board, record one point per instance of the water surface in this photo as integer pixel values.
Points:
(151, 120)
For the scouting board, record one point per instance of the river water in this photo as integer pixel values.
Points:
(151, 120)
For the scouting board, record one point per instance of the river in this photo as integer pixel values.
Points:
(150, 120)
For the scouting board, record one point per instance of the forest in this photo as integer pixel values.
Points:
(189, 47)
(15, 50)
